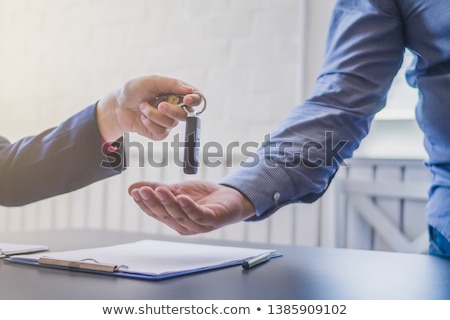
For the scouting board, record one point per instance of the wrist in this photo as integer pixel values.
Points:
(107, 123)
(246, 206)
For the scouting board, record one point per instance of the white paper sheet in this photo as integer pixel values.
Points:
(151, 257)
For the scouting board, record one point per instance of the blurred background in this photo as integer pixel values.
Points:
(253, 59)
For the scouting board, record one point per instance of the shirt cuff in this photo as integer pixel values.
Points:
(268, 188)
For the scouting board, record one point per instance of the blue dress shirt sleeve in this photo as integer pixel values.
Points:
(364, 51)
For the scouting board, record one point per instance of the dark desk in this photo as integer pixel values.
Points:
(302, 273)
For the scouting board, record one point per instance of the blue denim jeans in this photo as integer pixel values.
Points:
(439, 245)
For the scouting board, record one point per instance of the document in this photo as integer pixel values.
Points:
(8, 249)
(146, 259)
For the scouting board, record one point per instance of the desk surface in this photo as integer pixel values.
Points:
(302, 273)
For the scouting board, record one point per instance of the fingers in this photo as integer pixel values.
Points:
(133, 113)
(194, 212)
(165, 114)
(164, 85)
(157, 123)
(140, 184)
(176, 212)
(172, 111)
(150, 203)
(192, 100)
(151, 130)
(173, 212)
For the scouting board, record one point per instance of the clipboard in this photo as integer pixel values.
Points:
(145, 259)
(9, 249)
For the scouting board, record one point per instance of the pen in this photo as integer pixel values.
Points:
(251, 262)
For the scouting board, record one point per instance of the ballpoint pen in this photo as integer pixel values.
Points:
(254, 261)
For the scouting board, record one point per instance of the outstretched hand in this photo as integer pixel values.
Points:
(192, 207)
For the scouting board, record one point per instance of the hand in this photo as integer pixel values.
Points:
(192, 207)
(127, 108)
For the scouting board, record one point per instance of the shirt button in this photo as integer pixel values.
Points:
(276, 196)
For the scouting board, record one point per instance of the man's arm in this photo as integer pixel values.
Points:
(71, 155)
(56, 161)
(364, 51)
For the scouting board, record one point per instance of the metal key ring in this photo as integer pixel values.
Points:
(201, 110)
(175, 98)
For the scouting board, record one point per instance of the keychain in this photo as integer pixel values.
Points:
(192, 132)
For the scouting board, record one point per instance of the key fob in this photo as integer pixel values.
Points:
(191, 144)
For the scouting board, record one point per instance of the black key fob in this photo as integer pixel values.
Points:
(191, 144)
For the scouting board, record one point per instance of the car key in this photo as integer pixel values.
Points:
(192, 131)
(191, 143)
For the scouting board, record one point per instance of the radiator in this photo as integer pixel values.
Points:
(106, 205)
(331, 221)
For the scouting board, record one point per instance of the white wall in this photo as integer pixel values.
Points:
(58, 56)
(254, 60)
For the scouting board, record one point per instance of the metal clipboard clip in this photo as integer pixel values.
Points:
(84, 264)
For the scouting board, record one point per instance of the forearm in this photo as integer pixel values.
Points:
(364, 51)
(54, 162)
(301, 158)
